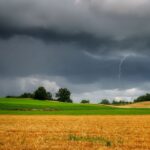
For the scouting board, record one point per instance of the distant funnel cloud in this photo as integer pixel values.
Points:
(120, 66)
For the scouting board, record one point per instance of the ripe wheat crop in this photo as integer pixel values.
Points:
(74, 132)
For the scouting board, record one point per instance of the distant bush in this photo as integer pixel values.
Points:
(105, 101)
(10, 96)
(121, 102)
(26, 95)
(142, 98)
(85, 102)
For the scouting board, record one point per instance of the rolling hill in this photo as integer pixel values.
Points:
(136, 105)
(30, 106)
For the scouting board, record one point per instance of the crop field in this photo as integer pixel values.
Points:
(28, 132)
(136, 105)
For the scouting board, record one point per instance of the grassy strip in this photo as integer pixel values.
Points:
(74, 112)
(100, 140)
(36, 107)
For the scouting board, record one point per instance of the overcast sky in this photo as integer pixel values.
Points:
(96, 48)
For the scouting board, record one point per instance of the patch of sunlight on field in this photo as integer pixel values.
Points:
(74, 132)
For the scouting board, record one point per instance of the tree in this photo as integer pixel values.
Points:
(85, 102)
(142, 98)
(63, 95)
(49, 96)
(40, 94)
(105, 101)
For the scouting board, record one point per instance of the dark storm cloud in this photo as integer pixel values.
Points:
(104, 26)
(87, 41)
(82, 42)
(47, 35)
(61, 60)
(99, 17)
(23, 56)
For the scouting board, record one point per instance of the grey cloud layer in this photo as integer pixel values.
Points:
(93, 24)
(98, 17)
(81, 41)
(23, 56)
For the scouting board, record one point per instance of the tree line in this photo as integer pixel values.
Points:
(107, 102)
(142, 98)
(63, 95)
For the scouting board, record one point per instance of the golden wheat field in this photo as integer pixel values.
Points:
(136, 105)
(74, 132)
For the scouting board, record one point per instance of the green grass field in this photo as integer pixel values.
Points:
(37, 107)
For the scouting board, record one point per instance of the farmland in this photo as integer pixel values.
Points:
(136, 105)
(36, 107)
(32, 124)
(74, 132)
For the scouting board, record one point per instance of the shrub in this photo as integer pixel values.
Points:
(105, 101)
(26, 95)
(85, 101)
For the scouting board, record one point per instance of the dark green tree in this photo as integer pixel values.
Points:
(142, 98)
(40, 94)
(105, 101)
(63, 95)
(49, 96)
(85, 102)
